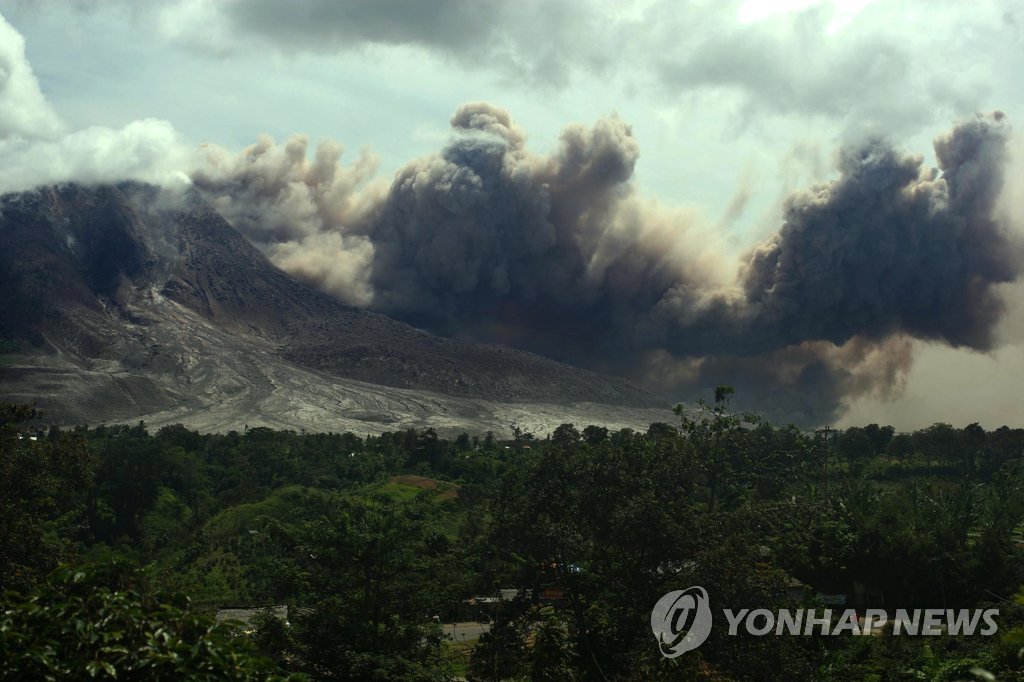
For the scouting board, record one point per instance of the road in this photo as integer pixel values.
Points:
(466, 631)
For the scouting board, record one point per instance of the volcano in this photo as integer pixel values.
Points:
(128, 302)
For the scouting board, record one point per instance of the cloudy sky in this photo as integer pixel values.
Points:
(715, 115)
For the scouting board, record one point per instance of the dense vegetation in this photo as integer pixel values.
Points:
(374, 541)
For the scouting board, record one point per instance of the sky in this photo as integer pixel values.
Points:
(731, 109)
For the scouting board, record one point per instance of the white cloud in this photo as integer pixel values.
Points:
(37, 150)
(900, 65)
(24, 112)
(149, 150)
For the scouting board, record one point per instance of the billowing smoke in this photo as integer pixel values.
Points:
(487, 240)
(805, 384)
(557, 254)
(296, 210)
(890, 247)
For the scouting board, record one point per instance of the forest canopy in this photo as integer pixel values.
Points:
(119, 546)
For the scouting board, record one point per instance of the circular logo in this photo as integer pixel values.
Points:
(681, 621)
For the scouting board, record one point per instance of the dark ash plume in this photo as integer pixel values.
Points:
(889, 248)
(558, 255)
(555, 254)
(804, 384)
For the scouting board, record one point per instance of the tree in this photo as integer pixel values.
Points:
(91, 621)
(44, 493)
(901, 446)
(975, 446)
(131, 471)
(940, 443)
(553, 654)
(595, 435)
(379, 570)
(720, 441)
(659, 431)
(500, 654)
(855, 446)
(564, 435)
(879, 436)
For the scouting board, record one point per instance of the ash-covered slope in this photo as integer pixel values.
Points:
(124, 301)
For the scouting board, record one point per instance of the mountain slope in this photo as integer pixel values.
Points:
(127, 302)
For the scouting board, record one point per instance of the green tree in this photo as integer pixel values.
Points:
(724, 451)
(879, 436)
(565, 435)
(855, 446)
(901, 446)
(379, 571)
(90, 622)
(552, 657)
(45, 488)
(500, 653)
(939, 443)
(595, 435)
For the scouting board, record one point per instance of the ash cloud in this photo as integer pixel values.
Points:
(296, 209)
(807, 384)
(558, 254)
(891, 247)
(553, 253)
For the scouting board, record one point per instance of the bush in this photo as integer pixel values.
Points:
(90, 622)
